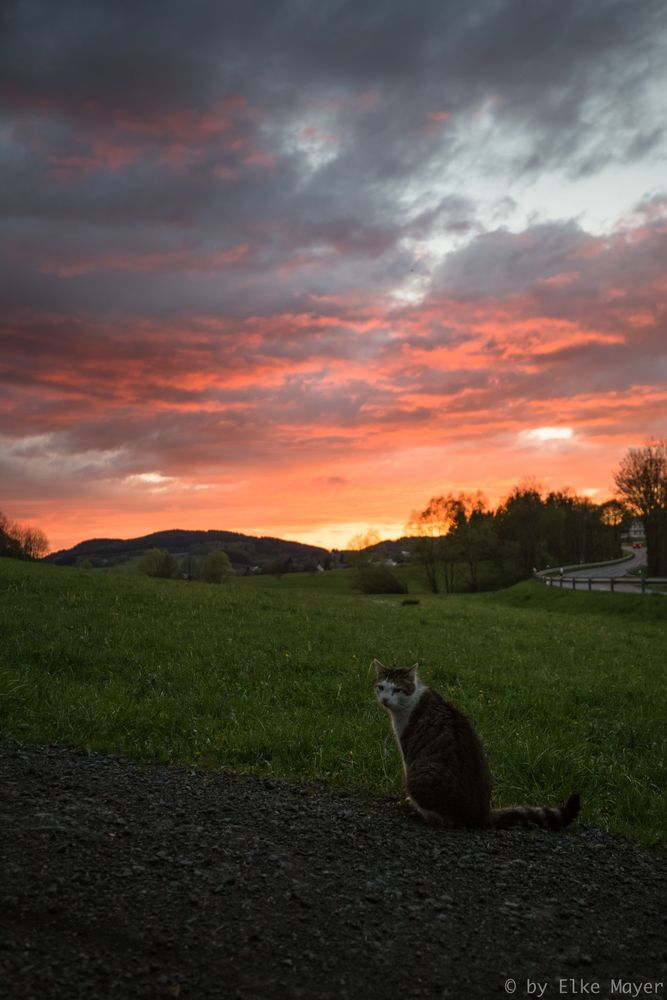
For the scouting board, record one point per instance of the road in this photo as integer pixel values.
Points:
(577, 579)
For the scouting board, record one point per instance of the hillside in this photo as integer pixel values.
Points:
(243, 550)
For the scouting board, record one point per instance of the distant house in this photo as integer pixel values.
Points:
(636, 530)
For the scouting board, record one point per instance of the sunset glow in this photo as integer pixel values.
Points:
(294, 270)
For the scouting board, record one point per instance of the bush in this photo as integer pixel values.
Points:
(380, 580)
(216, 567)
(158, 562)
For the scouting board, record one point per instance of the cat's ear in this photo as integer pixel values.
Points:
(378, 667)
(412, 672)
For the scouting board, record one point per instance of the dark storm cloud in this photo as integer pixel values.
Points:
(301, 130)
(150, 54)
(500, 262)
(567, 270)
(95, 84)
(208, 206)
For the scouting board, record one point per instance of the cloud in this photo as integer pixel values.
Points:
(202, 392)
(303, 238)
(541, 435)
(501, 262)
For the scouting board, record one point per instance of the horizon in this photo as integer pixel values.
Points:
(400, 534)
(296, 270)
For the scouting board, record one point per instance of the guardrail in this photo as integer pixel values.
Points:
(611, 583)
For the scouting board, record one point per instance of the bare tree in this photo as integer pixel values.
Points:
(33, 541)
(21, 541)
(359, 544)
(641, 484)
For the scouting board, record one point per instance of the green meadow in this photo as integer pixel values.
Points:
(271, 676)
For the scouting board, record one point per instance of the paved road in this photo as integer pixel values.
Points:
(577, 579)
(618, 569)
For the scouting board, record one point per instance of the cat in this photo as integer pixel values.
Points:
(446, 774)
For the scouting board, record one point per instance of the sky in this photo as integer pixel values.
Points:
(293, 267)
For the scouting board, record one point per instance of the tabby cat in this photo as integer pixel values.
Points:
(446, 775)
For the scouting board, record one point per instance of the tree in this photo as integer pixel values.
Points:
(641, 485)
(21, 541)
(9, 543)
(33, 542)
(158, 562)
(189, 566)
(216, 567)
(558, 529)
(428, 530)
(611, 515)
(475, 534)
(358, 545)
(521, 528)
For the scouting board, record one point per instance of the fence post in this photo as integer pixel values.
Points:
(590, 583)
(643, 585)
(611, 584)
(574, 583)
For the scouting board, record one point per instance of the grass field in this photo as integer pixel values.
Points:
(568, 691)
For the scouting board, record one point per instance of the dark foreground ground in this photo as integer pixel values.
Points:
(122, 879)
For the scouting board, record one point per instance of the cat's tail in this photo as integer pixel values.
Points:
(547, 817)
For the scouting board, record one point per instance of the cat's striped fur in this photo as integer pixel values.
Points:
(446, 774)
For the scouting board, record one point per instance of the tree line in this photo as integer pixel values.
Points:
(532, 529)
(214, 567)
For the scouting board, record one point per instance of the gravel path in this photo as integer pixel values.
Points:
(122, 879)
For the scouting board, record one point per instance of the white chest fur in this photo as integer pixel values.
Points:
(400, 706)
(403, 708)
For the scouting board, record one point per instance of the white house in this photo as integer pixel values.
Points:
(636, 530)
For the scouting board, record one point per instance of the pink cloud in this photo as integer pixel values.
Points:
(79, 137)
(187, 124)
(391, 403)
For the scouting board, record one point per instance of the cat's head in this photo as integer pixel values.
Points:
(394, 685)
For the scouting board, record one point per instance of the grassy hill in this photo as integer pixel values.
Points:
(243, 550)
(272, 677)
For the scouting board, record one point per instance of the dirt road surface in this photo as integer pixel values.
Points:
(122, 879)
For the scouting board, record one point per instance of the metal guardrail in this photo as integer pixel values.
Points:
(610, 583)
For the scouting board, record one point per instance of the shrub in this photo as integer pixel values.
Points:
(158, 562)
(216, 567)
